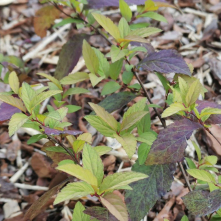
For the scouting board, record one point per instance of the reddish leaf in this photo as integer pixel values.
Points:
(38, 205)
(50, 131)
(69, 56)
(165, 61)
(146, 192)
(6, 111)
(171, 142)
(105, 3)
(44, 18)
(213, 119)
(201, 203)
(100, 213)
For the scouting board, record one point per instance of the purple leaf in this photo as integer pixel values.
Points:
(214, 118)
(165, 61)
(100, 213)
(69, 56)
(146, 192)
(6, 111)
(105, 3)
(201, 203)
(50, 131)
(171, 142)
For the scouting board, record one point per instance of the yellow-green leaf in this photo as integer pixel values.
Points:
(90, 57)
(16, 121)
(150, 6)
(74, 191)
(125, 10)
(101, 150)
(74, 78)
(173, 109)
(183, 88)
(113, 181)
(87, 137)
(100, 125)
(132, 119)
(202, 175)
(15, 102)
(52, 79)
(129, 143)
(108, 25)
(105, 116)
(123, 27)
(78, 145)
(27, 94)
(14, 82)
(93, 162)
(79, 172)
(42, 96)
(144, 32)
(94, 79)
(115, 205)
(193, 92)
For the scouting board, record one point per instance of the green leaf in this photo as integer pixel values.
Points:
(101, 150)
(125, 10)
(74, 191)
(100, 125)
(79, 172)
(52, 79)
(115, 205)
(78, 213)
(132, 119)
(143, 151)
(74, 78)
(173, 109)
(206, 112)
(191, 164)
(104, 65)
(16, 121)
(202, 175)
(64, 162)
(15, 102)
(139, 106)
(210, 160)
(183, 88)
(115, 69)
(75, 90)
(41, 97)
(58, 149)
(110, 87)
(87, 137)
(105, 116)
(67, 21)
(27, 94)
(127, 77)
(144, 32)
(113, 181)
(145, 123)
(36, 138)
(108, 25)
(93, 162)
(193, 92)
(154, 16)
(90, 58)
(147, 137)
(139, 25)
(129, 143)
(14, 82)
(123, 27)
(72, 108)
(117, 53)
(94, 79)
(164, 81)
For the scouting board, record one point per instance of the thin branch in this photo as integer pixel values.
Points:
(66, 149)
